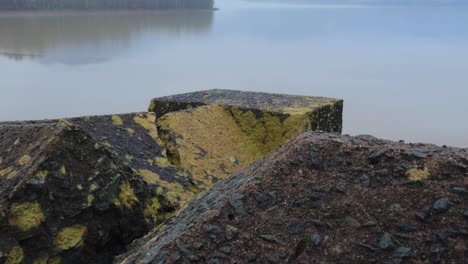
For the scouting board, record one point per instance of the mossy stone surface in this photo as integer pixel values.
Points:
(65, 197)
(212, 134)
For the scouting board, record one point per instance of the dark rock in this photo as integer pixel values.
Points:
(403, 252)
(274, 196)
(247, 237)
(376, 154)
(437, 250)
(367, 246)
(315, 239)
(466, 213)
(364, 181)
(226, 249)
(238, 205)
(269, 238)
(419, 153)
(261, 199)
(183, 249)
(214, 233)
(459, 189)
(316, 196)
(405, 226)
(342, 187)
(382, 173)
(441, 205)
(285, 171)
(315, 161)
(290, 234)
(386, 242)
(297, 228)
(352, 222)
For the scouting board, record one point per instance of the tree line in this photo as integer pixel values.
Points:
(104, 4)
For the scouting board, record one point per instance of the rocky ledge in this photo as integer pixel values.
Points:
(79, 190)
(212, 134)
(325, 198)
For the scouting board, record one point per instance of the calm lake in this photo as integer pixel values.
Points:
(402, 71)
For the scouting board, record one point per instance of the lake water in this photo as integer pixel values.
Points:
(403, 72)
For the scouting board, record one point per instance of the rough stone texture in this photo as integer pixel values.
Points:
(65, 197)
(308, 201)
(214, 133)
(134, 139)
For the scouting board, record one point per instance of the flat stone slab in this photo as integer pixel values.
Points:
(326, 198)
(256, 101)
(214, 133)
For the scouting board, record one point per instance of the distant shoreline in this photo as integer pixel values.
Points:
(103, 10)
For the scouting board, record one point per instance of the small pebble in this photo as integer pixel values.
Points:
(233, 160)
(352, 222)
(459, 189)
(386, 242)
(403, 252)
(226, 249)
(441, 205)
(315, 239)
(364, 181)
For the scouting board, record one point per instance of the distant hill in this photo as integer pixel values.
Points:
(104, 4)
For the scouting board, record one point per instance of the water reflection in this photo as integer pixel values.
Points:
(83, 37)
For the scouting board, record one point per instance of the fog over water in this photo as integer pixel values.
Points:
(402, 71)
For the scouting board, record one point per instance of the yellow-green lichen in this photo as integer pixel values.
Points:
(1, 160)
(65, 122)
(55, 260)
(26, 215)
(63, 170)
(127, 195)
(5, 171)
(79, 187)
(152, 106)
(106, 143)
(117, 120)
(90, 199)
(206, 138)
(46, 260)
(15, 256)
(70, 237)
(130, 131)
(128, 157)
(17, 141)
(147, 121)
(41, 260)
(42, 175)
(12, 174)
(93, 187)
(162, 162)
(418, 174)
(175, 194)
(24, 160)
(267, 131)
(117, 203)
(151, 209)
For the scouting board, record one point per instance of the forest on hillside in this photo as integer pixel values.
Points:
(104, 4)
